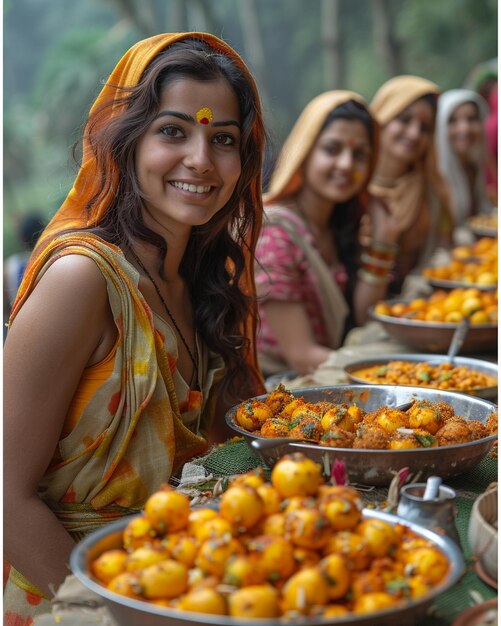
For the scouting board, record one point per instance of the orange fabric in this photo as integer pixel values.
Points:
(92, 378)
(72, 214)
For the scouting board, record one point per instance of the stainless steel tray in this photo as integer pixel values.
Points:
(129, 612)
(478, 365)
(436, 337)
(378, 467)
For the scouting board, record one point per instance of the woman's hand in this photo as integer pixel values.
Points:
(383, 225)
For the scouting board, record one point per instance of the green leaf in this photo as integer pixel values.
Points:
(425, 440)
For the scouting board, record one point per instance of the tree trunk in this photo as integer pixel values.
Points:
(209, 22)
(384, 38)
(253, 45)
(331, 39)
(142, 18)
(178, 18)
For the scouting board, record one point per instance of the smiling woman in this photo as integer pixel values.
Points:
(461, 150)
(407, 176)
(313, 280)
(138, 305)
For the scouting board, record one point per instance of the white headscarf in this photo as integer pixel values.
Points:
(449, 163)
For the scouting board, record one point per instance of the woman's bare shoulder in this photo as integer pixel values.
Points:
(76, 273)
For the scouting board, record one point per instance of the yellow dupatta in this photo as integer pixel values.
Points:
(423, 184)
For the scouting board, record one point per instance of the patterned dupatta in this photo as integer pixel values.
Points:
(130, 436)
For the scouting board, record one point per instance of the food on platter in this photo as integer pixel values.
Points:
(480, 307)
(314, 553)
(423, 374)
(475, 265)
(423, 424)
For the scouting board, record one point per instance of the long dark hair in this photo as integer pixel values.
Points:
(344, 222)
(214, 261)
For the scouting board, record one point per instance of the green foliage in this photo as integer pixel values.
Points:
(58, 53)
(72, 77)
(444, 40)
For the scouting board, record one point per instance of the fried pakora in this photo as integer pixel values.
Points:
(454, 431)
(336, 437)
(424, 424)
(371, 438)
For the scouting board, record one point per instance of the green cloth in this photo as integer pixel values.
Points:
(235, 457)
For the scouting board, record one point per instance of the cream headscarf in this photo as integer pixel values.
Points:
(448, 161)
(286, 180)
(407, 193)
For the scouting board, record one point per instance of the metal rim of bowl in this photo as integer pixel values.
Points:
(433, 359)
(415, 390)
(442, 283)
(78, 565)
(405, 321)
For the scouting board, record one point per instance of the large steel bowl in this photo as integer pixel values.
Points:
(129, 612)
(478, 365)
(378, 467)
(435, 336)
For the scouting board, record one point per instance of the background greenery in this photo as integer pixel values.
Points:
(57, 53)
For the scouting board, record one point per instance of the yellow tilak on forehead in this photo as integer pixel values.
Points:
(204, 116)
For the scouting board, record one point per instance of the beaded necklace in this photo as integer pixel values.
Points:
(194, 357)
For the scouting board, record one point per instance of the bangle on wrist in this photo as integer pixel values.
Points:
(370, 277)
(366, 257)
(379, 246)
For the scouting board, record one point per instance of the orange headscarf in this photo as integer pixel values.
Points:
(287, 178)
(73, 214)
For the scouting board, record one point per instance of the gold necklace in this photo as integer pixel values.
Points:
(194, 359)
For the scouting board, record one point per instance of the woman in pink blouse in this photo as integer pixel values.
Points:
(313, 281)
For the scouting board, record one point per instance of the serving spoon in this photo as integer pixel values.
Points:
(458, 338)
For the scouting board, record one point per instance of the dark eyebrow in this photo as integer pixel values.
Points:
(181, 116)
(227, 123)
(188, 118)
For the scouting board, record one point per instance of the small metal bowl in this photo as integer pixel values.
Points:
(130, 612)
(477, 365)
(448, 285)
(435, 336)
(378, 467)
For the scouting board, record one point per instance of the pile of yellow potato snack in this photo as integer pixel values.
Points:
(476, 264)
(480, 307)
(292, 546)
(424, 374)
(424, 424)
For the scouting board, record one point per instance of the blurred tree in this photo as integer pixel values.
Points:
(444, 40)
(72, 76)
(209, 21)
(57, 53)
(332, 53)
(253, 45)
(178, 16)
(384, 37)
(141, 15)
